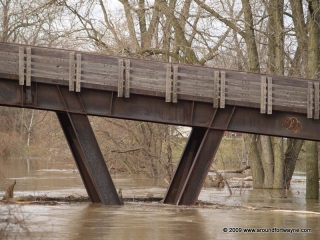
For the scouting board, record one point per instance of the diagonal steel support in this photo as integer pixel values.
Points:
(89, 159)
(196, 160)
(193, 167)
(184, 166)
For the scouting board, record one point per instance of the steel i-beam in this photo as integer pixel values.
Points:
(196, 160)
(193, 167)
(89, 159)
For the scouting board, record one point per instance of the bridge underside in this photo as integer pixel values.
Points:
(208, 126)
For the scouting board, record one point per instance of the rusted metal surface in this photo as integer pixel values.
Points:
(200, 167)
(88, 158)
(153, 109)
(182, 171)
(196, 160)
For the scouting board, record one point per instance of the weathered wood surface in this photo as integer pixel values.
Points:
(172, 82)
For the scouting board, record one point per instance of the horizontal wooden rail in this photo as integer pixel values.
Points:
(172, 82)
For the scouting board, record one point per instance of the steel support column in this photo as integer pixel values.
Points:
(184, 166)
(197, 157)
(89, 159)
(193, 167)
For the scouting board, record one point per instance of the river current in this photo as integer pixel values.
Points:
(269, 214)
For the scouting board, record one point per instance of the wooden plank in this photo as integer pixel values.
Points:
(244, 90)
(297, 98)
(269, 94)
(284, 94)
(78, 73)
(9, 47)
(310, 100)
(175, 84)
(147, 72)
(28, 78)
(216, 90)
(247, 83)
(47, 74)
(21, 65)
(286, 81)
(120, 78)
(96, 58)
(242, 97)
(254, 86)
(263, 100)
(222, 89)
(71, 71)
(289, 88)
(107, 78)
(194, 77)
(151, 78)
(316, 100)
(99, 66)
(142, 81)
(10, 57)
(298, 103)
(51, 60)
(148, 67)
(5, 68)
(151, 88)
(190, 90)
(49, 67)
(100, 71)
(127, 80)
(238, 99)
(168, 83)
(148, 75)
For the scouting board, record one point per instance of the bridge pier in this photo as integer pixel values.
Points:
(89, 159)
(196, 159)
(193, 167)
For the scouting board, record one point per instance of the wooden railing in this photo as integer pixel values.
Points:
(171, 81)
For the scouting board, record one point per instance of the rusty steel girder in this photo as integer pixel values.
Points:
(196, 160)
(88, 158)
(154, 109)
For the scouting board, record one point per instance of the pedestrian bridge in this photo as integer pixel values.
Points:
(76, 84)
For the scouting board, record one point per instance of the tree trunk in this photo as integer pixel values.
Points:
(290, 158)
(312, 191)
(250, 39)
(277, 146)
(313, 64)
(255, 160)
(267, 161)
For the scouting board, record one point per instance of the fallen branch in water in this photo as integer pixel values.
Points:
(9, 192)
(296, 211)
(241, 170)
(44, 200)
(219, 179)
(249, 178)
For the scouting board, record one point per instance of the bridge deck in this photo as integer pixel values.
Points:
(172, 82)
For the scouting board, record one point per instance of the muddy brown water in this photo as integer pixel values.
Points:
(228, 218)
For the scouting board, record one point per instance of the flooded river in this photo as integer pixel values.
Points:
(271, 214)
